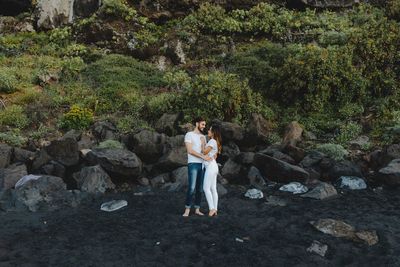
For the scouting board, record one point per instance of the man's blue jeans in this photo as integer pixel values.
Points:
(195, 185)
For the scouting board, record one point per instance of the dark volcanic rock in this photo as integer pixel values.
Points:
(390, 175)
(5, 155)
(120, 162)
(10, 176)
(94, 179)
(168, 124)
(257, 132)
(47, 192)
(229, 151)
(22, 155)
(64, 151)
(280, 171)
(343, 168)
(231, 132)
(104, 130)
(148, 145)
(85, 8)
(14, 7)
(175, 157)
(293, 134)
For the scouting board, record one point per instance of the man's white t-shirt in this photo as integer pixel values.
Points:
(194, 139)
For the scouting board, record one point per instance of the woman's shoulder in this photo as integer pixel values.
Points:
(212, 142)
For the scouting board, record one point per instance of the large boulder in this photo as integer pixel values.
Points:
(256, 179)
(229, 151)
(22, 155)
(231, 170)
(342, 168)
(53, 168)
(64, 150)
(104, 130)
(293, 134)
(5, 155)
(390, 175)
(174, 158)
(46, 192)
(148, 145)
(321, 191)
(54, 13)
(119, 162)
(231, 132)
(94, 179)
(14, 7)
(10, 176)
(168, 124)
(278, 170)
(85, 8)
(257, 131)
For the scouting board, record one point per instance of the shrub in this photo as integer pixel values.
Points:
(131, 123)
(114, 76)
(289, 75)
(118, 8)
(77, 118)
(336, 152)
(14, 116)
(348, 132)
(220, 95)
(157, 105)
(111, 144)
(8, 80)
(13, 138)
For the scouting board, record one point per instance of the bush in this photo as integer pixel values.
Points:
(111, 144)
(118, 8)
(114, 76)
(348, 132)
(14, 116)
(8, 80)
(77, 118)
(288, 75)
(336, 152)
(157, 105)
(218, 95)
(13, 138)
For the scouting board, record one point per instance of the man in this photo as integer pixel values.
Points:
(193, 142)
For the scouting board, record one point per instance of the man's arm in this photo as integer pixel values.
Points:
(194, 153)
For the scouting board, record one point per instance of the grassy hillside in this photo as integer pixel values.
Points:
(337, 72)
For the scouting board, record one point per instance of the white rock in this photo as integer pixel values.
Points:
(254, 194)
(294, 187)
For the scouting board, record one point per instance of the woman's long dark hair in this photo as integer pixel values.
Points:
(216, 130)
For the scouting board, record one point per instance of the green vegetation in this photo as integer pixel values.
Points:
(332, 71)
(336, 152)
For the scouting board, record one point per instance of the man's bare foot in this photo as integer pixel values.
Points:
(198, 212)
(186, 213)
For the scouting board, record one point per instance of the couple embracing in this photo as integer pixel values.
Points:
(202, 167)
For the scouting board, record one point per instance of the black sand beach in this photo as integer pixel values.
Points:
(151, 232)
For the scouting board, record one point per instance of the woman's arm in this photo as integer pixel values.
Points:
(207, 150)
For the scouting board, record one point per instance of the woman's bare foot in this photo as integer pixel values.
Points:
(212, 213)
(186, 214)
(198, 212)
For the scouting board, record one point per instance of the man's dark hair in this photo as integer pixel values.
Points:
(198, 119)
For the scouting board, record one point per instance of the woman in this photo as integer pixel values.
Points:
(212, 149)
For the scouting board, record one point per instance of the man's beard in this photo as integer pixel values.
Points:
(198, 128)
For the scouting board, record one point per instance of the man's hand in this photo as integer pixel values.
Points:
(207, 158)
